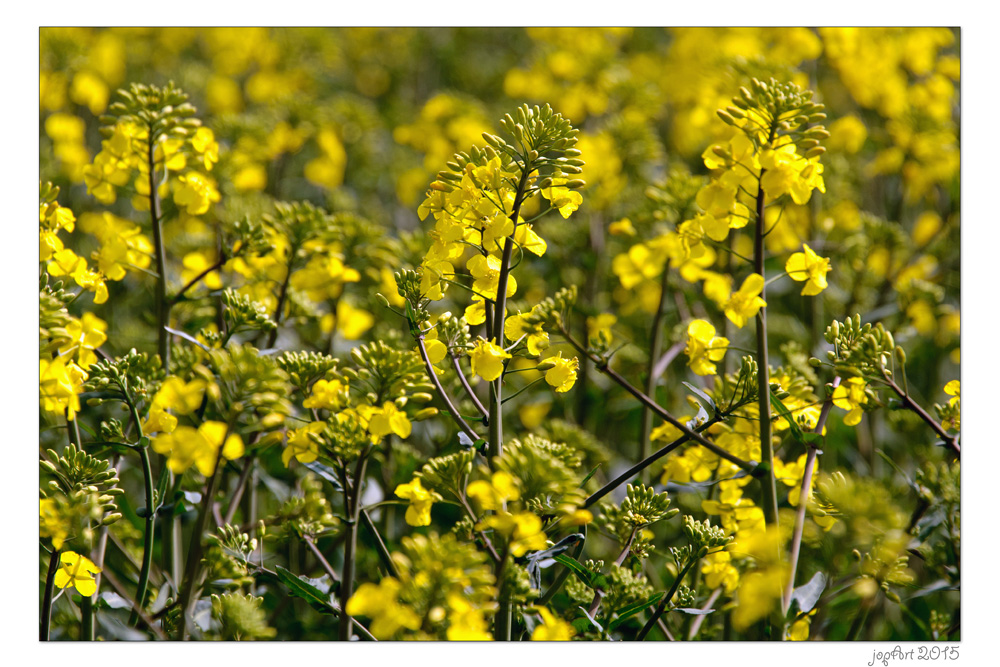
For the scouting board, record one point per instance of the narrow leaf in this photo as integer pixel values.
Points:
(631, 610)
(302, 589)
(807, 594)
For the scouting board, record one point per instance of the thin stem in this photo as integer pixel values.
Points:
(768, 489)
(449, 406)
(198, 278)
(500, 313)
(162, 302)
(800, 516)
(467, 386)
(353, 501)
(241, 483)
(320, 557)
(655, 346)
(664, 601)
(192, 568)
(950, 440)
(150, 519)
(50, 582)
(696, 624)
(646, 462)
(282, 295)
(383, 551)
(602, 365)
(595, 604)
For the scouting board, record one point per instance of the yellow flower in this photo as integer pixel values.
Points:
(195, 193)
(524, 529)
(50, 524)
(553, 629)
(327, 394)
(381, 604)
(809, 267)
(516, 326)
(487, 360)
(179, 396)
(485, 270)
(86, 335)
(704, 347)
(186, 447)
(953, 389)
(562, 198)
(302, 443)
(159, 421)
(466, 622)
(59, 386)
(389, 419)
(492, 495)
(746, 302)
(78, 572)
(562, 375)
(719, 570)
(850, 395)
(421, 501)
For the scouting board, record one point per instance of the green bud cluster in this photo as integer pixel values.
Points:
(859, 349)
(641, 507)
(246, 237)
(250, 383)
(777, 109)
(390, 374)
(76, 472)
(241, 313)
(624, 587)
(299, 222)
(133, 377)
(704, 536)
(940, 482)
(53, 317)
(447, 473)
(240, 617)
(553, 310)
(165, 111)
(674, 199)
(304, 368)
(308, 514)
(547, 473)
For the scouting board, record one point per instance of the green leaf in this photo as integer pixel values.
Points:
(590, 474)
(631, 610)
(783, 411)
(806, 595)
(692, 611)
(702, 395)
(591, 579)
(316, 598)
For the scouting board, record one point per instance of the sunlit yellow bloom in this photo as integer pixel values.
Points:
(746, 302)
(179, 396)
(327, 395)
(466, 622)
(381, 603)
(493, 494)
(50, 524)
(421, 501)
(389, 419)
(59, 386)
(485, 269)
(195, 193)
(201, 448)
(159, 421)
(562, 375)
(76, 571)
(524, 529)
(516, 326)
(86, 335)
(302, 443)
(809, 267)
(704, 347)
(850, 395)
(552, 629)
(487, 360)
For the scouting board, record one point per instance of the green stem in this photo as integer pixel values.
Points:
(150, 519)
(602, 365)
(655, 348)
(800, 516)
(768, 489)
(664, 601)
(353, 502)
(383, 551)
(50, 582)
(499, 315)
(163, 304)
(449, 406)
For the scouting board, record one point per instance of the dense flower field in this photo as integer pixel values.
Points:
(499, 333)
